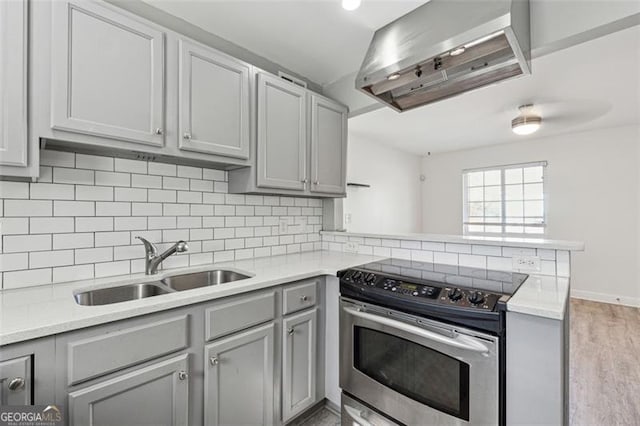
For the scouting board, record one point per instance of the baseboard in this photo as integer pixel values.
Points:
(606, 298)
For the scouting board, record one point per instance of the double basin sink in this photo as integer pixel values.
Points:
(171, 284)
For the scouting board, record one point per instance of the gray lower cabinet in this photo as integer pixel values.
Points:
(16, 381)
(299, 363)
(27, 373)
(153, 395)
(239, 378)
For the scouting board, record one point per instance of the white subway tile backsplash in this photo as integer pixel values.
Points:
(472, 261)
(73, 208)
(76, 240)
(81, 218)
(130, 166)
(94, 193)
(409, 244)
(486, 250)
(113, 179)
(77, 176)
(457, 248)
(26, 243)
(517, 251)
(94, 224)
(14, 189)
(48, 225)
(445, 258)
(13, 208)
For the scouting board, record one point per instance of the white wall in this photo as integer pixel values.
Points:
(393, 202)
(593, 195)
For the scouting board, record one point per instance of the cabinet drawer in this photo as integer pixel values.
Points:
(299, 296)
(97, 356)
(239, 314)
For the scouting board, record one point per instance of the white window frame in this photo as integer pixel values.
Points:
(503, 224)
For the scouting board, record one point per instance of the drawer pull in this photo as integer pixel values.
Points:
(214, 361)
(290, 331)
(304, 298)
(183, 375)
(159, 131)
(16, 384)
(187, 136)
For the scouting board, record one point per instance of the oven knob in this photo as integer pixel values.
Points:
(415, 293)
(356, 276)
(476, 297)
(370, 278)
(455, 294)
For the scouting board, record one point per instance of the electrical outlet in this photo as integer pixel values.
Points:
(283, 226)
(351, 247)
(347, 218)
(526, 263)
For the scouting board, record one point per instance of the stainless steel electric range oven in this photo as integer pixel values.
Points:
(423, 344)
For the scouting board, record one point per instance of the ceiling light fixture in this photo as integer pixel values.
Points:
(351, 4)
(394, 76)
(527, 122)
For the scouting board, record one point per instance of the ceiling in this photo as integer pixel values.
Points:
(315, 38)
(591, 85)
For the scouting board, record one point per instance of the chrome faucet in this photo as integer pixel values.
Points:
(153, 259)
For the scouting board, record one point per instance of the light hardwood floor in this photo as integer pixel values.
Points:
(604, 364)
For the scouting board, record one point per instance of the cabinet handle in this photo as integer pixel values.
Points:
(182, 375)
(158, 131)
(16, 384)
(304, 181)
(316, 182)
(187, 136)
(304, 298)
(214, 361)
(290, 331)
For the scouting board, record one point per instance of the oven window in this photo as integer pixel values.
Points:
(422, 374)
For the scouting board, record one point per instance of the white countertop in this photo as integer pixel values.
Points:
(34, 312)
(464, 239)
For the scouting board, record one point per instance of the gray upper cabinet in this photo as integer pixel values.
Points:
(299, 363)
(239, 379)
(157, 394)
(13, 84)
(328, 146)
(282, 134)
(107, 73)
(214, 104)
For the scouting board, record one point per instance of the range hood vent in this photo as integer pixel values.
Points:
(445, 48)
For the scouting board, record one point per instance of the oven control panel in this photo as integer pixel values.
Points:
(443, 295)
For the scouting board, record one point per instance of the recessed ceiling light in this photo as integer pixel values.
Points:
(394, 76)
(457, 51)
(351, 4)
(527, 122)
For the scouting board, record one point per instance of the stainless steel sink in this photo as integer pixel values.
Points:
(107, 296)
(202, 279)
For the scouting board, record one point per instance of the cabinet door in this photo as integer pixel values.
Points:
(107, 73)
(298, 363)
(282, 134)
(239, 379)
(152, 395)
(15, 381)
(214, 102)
(13, 83)
(328, 146)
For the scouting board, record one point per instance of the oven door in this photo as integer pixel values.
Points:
(418, 371)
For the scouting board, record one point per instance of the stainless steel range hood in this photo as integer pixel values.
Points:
(445, 48)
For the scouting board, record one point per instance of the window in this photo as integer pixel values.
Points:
(505, 200)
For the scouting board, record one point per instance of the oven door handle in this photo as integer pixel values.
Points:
(356, 415)
(460, 341)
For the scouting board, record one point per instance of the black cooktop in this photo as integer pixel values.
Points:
(469, 296)
(486, 280)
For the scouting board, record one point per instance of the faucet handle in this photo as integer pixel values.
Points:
(148, 246)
